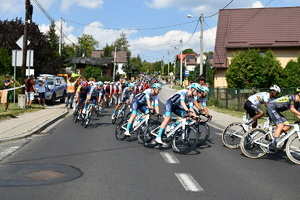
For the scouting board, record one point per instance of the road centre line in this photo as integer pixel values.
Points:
(169, 158)
(188, 182)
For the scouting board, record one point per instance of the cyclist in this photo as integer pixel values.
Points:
(287, 102)
(145, 101)
(201, 98)
(127, 95)
(94, 95)
(180, 103)
(82, 93)
(254, 101)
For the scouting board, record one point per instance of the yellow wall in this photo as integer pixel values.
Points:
(219, 80)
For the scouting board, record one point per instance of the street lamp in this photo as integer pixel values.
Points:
(201, 40)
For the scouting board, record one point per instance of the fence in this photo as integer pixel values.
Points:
(234, 98)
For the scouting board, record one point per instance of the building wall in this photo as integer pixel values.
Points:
(220, 80)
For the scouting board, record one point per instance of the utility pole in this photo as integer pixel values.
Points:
(168, 63)
(115, 60)
(25, 39)
(180, 62)
(60, 37)
(201, 44)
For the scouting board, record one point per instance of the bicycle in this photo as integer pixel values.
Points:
(255, 143)
(202, 129)
(76, 113)
(232, 134)
(183, 135)
(88, 113)
(139, 126)
(120, 113)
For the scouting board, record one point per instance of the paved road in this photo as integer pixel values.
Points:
(91, 164)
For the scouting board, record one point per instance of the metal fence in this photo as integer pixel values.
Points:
(234, 98)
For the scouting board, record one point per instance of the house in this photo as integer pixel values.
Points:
(121, 58)
(188, 60)
(277, 29)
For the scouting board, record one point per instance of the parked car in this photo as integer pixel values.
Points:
(56, 88)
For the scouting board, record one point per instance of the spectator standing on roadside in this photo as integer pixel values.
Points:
(7, 82)
(41, 90)
(30, 90)
(71, 89)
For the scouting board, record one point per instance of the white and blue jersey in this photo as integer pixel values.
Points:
(140, 101)
(174, 103)
(201, 100)
(127, 94)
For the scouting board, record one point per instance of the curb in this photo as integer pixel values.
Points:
(37, 129)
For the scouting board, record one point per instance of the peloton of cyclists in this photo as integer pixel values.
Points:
(145, 102)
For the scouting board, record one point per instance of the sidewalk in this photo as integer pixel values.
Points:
(218, 119)
(30, 123)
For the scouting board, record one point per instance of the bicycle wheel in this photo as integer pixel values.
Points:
(184, 141)
(148, 140)
(251, 143)
(75, 115)
(232, 134)
(88, 119)
(293, 149)
(120, 130)
(140, 132)
(120, 116)
(116, 117)
(203, 132)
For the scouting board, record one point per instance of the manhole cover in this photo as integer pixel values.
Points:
(44, 175)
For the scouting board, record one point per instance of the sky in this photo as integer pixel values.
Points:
(154, 28)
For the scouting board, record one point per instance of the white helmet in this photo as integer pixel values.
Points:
(275, 88)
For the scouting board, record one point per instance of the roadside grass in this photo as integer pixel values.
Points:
(13, 111)
(238, 114)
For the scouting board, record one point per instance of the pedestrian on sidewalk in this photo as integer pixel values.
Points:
(7, 85)
(30, 90)
(41, 91)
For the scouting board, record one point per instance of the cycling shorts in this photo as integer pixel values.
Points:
(250, 108)
(137, 105)
(275, 115)
(170, 107)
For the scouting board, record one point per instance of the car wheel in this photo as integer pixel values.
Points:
(53, 99)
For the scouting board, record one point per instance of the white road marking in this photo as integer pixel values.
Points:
(8, 151)
(188, 182)
(169, 158)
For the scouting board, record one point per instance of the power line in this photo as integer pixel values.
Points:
(51, 19)
(137, 29)
(220, 10)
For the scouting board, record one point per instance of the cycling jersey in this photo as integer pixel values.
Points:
(201, 100)
(283, 103)
(127, 94)
(259, 98)
(146, 94)
(83, 92)
(182, 95)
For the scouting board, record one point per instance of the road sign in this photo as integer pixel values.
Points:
(186, 72)
(20, 42)
(17, 58)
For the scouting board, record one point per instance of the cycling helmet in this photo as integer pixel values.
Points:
(196, 86)
(205, 89)
(100, 83)
(132, 85)
(84, 83)
(157, 85)
(297, 90)
(275, 88)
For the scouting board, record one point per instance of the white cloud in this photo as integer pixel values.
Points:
(257, 4)
(66, 4)
(11, 6)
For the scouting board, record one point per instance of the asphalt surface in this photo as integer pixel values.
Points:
(97, 166)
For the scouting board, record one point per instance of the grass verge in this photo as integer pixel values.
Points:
(13, 111)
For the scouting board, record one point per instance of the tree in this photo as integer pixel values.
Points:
(122, 43)
(92, 72)
(290, 77)
(52, 37)
(5, 62)
(252, 69)
(188, 51)
(87, 44)
(107, 51)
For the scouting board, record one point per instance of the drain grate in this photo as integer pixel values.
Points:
(44, 175)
